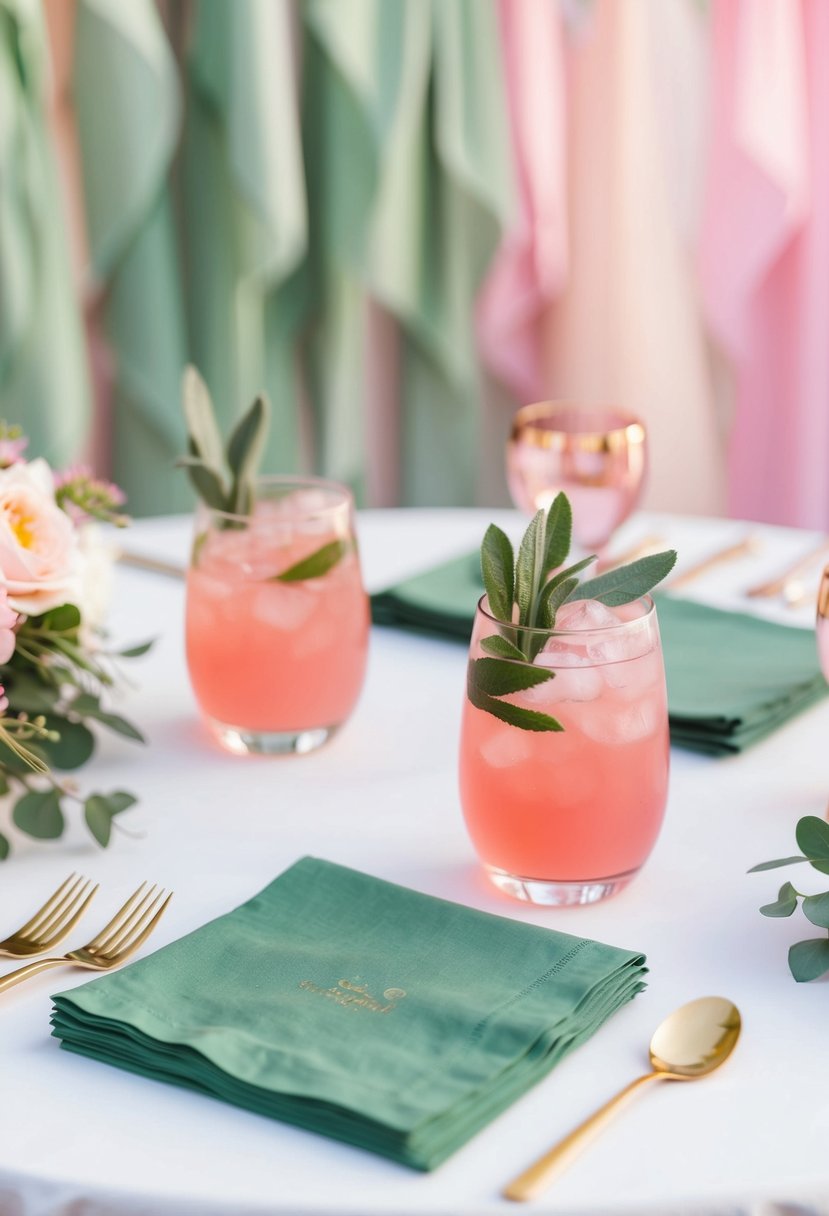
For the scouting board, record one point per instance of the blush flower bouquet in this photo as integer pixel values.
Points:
(55, 667)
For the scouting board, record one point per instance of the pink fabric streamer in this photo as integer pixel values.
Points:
(530, 267)
(764, 257)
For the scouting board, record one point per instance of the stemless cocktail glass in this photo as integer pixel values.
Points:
(596, 454)
(277, 618)
(569, 817)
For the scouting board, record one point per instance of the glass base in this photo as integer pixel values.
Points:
(244, 742)
(549, 892)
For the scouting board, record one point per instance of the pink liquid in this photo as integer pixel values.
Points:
(271, 656)
(585, 803)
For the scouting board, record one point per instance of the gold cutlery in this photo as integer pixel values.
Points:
(53, 921)
(779, 584)
(129, 928)
(742, 548)
(693, 1041)
(649, 544)
(155, 565)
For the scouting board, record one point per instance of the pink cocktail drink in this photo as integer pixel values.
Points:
(570, 816)
(277, 663)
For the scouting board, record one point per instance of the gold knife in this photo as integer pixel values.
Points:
(749, 544)
(777, 585)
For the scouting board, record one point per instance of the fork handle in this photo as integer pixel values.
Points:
(30, 969)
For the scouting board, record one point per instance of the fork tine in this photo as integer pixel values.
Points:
(118, 919)
(57, 929)
(144, 910)
(45, 909)
(141, 934)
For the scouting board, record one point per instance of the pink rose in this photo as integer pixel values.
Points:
(8, 620)
(38, 543)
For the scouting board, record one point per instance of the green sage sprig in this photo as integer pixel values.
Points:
(224, 476)
(525, 594)
(809, 959)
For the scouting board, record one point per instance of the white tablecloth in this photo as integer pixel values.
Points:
(382, 797)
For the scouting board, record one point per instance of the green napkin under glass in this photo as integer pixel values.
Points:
(356, 1008)
(732, 678)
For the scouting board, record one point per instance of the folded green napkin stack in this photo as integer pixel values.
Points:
(732, 678)
(355, 1008)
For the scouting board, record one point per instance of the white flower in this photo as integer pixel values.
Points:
(97, 558)
(39, 561)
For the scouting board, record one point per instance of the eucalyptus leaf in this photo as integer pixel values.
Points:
(134, 652)
(73, 747)
(784, 905)
(120, 800)
(64, 619)
(627, 583)
(4, 785)
(29, 694)
(5, 847)
(559, 532)
(809, 960)
(775, 865)
(498, 572)
(816, 909)
(498, 677)
(315, 565)
(200, 418)
(502, 648)
(98, 818)
(514, 715)
(812, 836)
(88, 706)
(38, 814)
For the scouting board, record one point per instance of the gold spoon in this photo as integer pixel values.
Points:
(692, 1042)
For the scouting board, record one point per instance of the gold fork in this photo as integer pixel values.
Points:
(129, 928)
(53, 921)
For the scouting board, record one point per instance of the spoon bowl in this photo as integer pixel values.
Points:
(690, 1043)
(696, 1038)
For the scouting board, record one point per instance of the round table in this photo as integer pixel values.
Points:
(382, 797)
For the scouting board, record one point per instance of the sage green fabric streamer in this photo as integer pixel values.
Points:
(246, 230)
(128, 111)
(44, 383)
(357, 1009)
(732, 678)
(418, 190)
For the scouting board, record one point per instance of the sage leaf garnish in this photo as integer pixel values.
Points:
(808, 960)
(502, 648)
(315, 565)
(498, 677)
(498, 570)
(627, 583)
(524, 594)
(514, 715)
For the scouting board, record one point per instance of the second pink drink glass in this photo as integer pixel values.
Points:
(277, 617)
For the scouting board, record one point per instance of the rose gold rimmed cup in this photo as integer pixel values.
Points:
(596, 454)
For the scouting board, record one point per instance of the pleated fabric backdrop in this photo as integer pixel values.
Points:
(402, 218)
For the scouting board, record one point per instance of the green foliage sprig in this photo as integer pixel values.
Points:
(525, 594)
(224, 476)
(56, 683)
(809, 959)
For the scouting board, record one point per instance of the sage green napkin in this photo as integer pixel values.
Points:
(732, 678)
(356, 1008)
